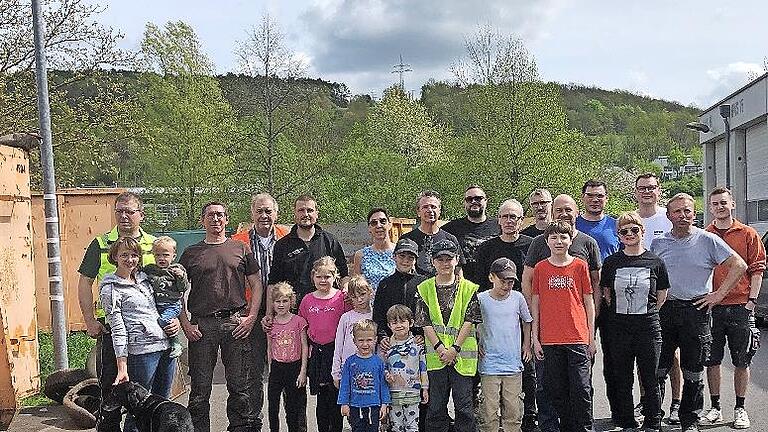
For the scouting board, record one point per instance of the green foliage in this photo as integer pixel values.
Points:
(691, 184)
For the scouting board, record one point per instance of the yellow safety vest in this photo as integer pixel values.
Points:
(105, 267)
(466, 361)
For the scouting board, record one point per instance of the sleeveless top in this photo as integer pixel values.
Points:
(376, 265)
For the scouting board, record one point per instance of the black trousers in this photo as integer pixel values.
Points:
(635, 338)
(568, 380)
(685, 327)
(282, 381)
(328, 412)
(609, 369)
(256, 375)
(529, 389)
(107, 421)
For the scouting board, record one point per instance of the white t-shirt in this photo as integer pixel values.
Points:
(656, 226)
(500, 333)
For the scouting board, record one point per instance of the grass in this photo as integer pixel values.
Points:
(79, 345)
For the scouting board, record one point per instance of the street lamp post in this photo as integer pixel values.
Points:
(725, 113)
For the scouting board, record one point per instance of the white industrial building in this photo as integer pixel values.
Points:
(745, 159)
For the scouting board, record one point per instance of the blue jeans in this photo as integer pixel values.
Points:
(447, 382)
(155, 372)
(546, 415)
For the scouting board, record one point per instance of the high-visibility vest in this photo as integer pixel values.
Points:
(105, 267)
(466, 360)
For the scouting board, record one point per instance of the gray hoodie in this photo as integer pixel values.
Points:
(132, 315)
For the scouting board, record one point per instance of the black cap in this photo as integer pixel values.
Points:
(504, 268)
(444, 247)
(406, 245)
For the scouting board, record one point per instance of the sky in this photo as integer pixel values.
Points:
(695, 53)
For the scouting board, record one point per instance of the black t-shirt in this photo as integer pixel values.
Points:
(633, 282)
(531, 231)
(471, 235)
(424, 260)
(583, 246)
(397, 288)
(496, 248)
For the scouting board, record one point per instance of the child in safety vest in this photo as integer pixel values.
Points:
(563, 327)
(501, 358)
(447, 309)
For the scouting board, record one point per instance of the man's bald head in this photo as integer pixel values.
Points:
(564, 208)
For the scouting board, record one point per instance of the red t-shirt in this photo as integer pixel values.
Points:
(561, 291)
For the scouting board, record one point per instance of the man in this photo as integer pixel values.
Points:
(221, 318)
(647, 193)
(691, 255)
(584, 247)
(513, 245)
(295, 253)
(473, 230)
(129, 212)
(260, 240)
(601, 227)
(733, 319)
(540, 201)
(428, 232)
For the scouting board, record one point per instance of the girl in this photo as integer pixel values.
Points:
(141, 347)
(322, 309)
(288, 362)
(359, 291)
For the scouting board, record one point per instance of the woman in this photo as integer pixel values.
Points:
(141, 347)
(375, 262)
(635, 284)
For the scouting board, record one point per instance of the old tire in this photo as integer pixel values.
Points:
(61, 381)
(81, 403)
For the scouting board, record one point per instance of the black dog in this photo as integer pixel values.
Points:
(151, 412)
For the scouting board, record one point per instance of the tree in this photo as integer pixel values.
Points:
(676, 159)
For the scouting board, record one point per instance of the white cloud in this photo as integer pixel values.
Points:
(724, 80)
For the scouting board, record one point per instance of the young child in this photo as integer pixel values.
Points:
(563, 327)
(364, 393)
(501, 359)
(359, 291)
(169, 281)
(288, 352)
(406, 371)
(322, 309)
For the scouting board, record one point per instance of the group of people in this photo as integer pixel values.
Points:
(499, 318)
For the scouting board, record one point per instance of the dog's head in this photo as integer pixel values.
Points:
(126, 394)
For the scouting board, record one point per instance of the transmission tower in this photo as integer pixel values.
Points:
(400, 69)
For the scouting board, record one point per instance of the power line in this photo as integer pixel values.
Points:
(400, 69)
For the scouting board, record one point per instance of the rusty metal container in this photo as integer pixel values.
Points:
(19, 363)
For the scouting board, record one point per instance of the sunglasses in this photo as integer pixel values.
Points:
(374, 222)
(625, 231)
(477, 198)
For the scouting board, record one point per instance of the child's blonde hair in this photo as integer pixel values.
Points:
(364, 326)
(164, 241)
(358, 286)
(325, 263)
(399, 312)
(284, 289)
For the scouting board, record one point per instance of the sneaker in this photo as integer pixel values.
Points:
(740, 419)
(714, 415)
(674, 414)
(639, 410)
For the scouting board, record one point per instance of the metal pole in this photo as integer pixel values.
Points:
(58, 318)
(727, 152)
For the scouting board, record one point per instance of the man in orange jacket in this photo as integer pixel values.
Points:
(260, 239)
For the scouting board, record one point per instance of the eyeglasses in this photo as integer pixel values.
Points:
(375, 222)
(511, 217)
(594, 195)
(216, 215)
(650, 188)
(127, 212)
(478, 198)
(633, 230)
(540, 203)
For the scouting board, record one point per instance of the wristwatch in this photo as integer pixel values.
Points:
(457, 348)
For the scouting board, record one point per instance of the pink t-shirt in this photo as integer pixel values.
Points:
(345, 343)
(323, 316)
(285, 339)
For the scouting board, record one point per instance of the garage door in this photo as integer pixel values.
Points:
(757, 162)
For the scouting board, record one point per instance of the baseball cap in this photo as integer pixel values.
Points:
(504, 268)
(444, 247)
(406, 245)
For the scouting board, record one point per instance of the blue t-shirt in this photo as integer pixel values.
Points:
(500, 333)
(363, 383)
(604, 233)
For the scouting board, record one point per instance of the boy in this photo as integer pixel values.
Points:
(363, 392)
(563, 327)
(501, 361)
(169, 281)
(406, 371)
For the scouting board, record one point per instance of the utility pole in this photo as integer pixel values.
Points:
(58, 318)
(400, 69)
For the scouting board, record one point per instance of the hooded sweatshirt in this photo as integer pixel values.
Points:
(132, 315)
